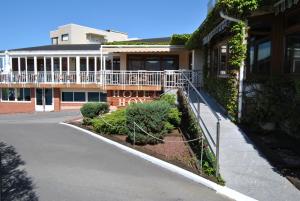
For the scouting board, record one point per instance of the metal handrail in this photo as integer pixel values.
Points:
(217, 143)
(197, 92)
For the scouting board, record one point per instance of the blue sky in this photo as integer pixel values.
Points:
(27, 23)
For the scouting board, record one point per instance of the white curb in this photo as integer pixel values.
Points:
(196, 178)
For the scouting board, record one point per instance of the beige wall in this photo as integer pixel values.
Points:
(78, 34)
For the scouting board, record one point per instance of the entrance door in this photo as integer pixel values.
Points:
(44, 100)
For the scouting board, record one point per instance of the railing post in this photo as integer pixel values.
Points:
(218, 148)
(134, 134)
(198, 109)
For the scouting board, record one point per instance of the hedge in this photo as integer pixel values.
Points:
(152, 117)
(92, 110)
(114, 123)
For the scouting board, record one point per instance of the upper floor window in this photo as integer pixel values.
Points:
(65, 37)
(293, 53)
(54, 40)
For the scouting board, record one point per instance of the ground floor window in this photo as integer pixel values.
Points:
(75, 96)
(260, 56)
(15, 94)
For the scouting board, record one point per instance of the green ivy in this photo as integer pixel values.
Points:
(238, 48)
(179, 39)
(236, 8)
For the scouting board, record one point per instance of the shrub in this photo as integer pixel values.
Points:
(87, 121)
(169, 127)
(92, 110)
(114, 123)
(180, 39)
(151, 117)
(169, 98)
(174, 117)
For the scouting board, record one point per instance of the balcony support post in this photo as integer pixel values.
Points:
(60, 70)
(87, 70)
(26, 69)
(45, 70)
(52, 70)
(19, 65)
(95, 69)
(68, 69)
(78, 70)
(35, 68)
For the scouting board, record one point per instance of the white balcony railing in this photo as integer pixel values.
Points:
(168, 79)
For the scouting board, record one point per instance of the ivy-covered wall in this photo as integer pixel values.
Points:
(225, 90)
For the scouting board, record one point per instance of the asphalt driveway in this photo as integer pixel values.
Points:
(64, 164)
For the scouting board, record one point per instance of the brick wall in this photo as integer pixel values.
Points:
(56, 100)
(123, 98)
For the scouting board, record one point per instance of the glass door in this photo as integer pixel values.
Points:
(44, 100)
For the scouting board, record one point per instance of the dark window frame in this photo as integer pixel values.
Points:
(144, 57)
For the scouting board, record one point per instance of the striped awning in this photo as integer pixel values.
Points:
(221, 27)
(282, 5)
(141, 49)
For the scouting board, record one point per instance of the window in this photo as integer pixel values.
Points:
(170, 63)
(219, 59)
(73, 96)
(15, 64)
(293, 53)
(83, 64)
(56, 64)
(64, 64)
(79, 96)
(12, 94)
(97, 97)
(67, 96)
(93, 97)
(65, 37)
(116, 63)
(54, 41)
(260, 57)
(153, 62)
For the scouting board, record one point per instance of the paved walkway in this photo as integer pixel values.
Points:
(65, 164)
(241, 165)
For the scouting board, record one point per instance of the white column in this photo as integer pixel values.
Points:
(10, 64)
(78, 70)
(87, 65)
(68, 66)
(52, 69)
(35, 68)
(104, 63)
(60, 69)
(35, 65)
(95, 69)
(68, 69)
(45, 70)
(112, 62)
(19, 65)
(26, 69)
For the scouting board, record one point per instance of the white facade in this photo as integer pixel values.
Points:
(77, 34)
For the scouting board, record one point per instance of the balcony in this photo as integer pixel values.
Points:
(104, 80)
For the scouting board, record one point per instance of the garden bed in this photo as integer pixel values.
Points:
(282, 151)
(177, 153)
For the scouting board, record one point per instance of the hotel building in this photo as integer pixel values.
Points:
(65, 76)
